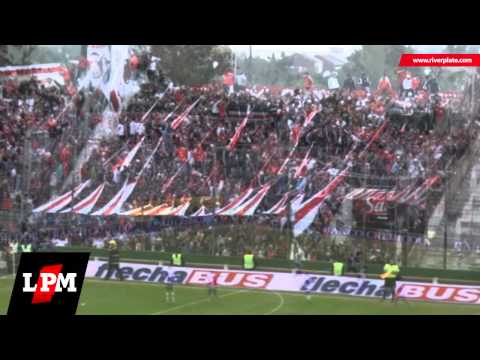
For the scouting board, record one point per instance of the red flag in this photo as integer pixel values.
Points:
(115, 101)
(182, 153)
(295, 134)
(302, 169)
(180, 119)
(236, 136)
(309, 118)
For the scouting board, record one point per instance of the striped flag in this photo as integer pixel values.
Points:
(137, 211)
(306, 213)
(114, 205)
(181, 118)
(60, 202)
(416, 196)
(156, 210)
(125, 162)
(284, 165)
(86, 205)
(180, 210)
(297, 201)
(302, 169)
(236, 136)
(248, 208)
(235, 202)
(278, 205)
(201, 212)
(309, 118)
(294, 205)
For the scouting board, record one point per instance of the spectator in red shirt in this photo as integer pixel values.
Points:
(182, 153)
(133, 65)
(384, 86)
(198, 153)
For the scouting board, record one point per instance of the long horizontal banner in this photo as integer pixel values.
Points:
(276, 281)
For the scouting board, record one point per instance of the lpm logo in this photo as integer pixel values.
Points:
(48, 284)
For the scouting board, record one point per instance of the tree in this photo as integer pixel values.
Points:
(192, 64)
(374, 60)
(16, 54)
(453, 78)
(271, 71)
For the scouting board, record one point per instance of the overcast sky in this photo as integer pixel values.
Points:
(341, 50)
(316, 49)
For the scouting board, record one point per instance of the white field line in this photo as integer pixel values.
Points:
(279, 306)
(196, 302)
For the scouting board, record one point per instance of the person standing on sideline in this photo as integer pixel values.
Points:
(390, 275)
(212, 286)
(113, 261)
(170, 289)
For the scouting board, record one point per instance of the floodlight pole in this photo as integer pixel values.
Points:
(289, 213)
(445, 223)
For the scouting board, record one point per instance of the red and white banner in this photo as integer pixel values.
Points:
(45, 73)
(405, 196)
(137, 211)
(63, 200)
(229, 208)
(113, 206)
(297, 201)
(302, 169)
(309, 118)
(248, 208)
(307, 212)
(201, 212)
(123, 164)
(157, 210)
(291, 282)
(86, 205)
(128, 160)
(417, 196)
(180, 210)
(233, 141)
(180, 119)
(284, 165)
(279, 205)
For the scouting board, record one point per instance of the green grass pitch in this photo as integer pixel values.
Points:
(101, 297)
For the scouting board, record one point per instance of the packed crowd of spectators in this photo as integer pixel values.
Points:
(418, 142)
(54, 123)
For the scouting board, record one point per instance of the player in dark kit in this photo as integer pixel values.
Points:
(113, 261)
